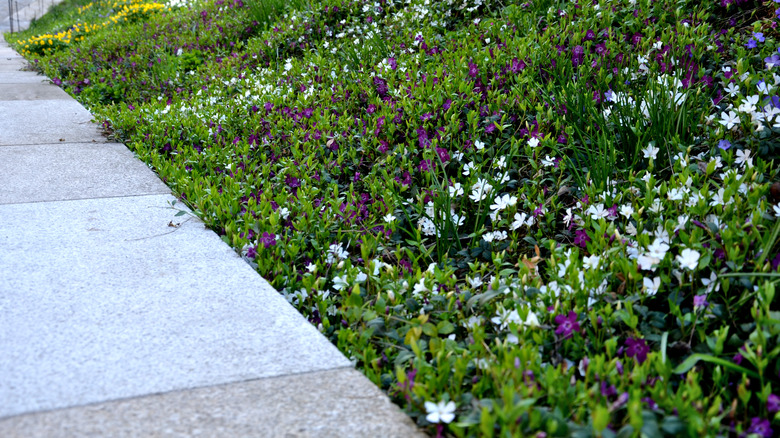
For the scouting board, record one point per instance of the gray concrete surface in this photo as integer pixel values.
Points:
(22, 12)
(55, 121)
(35, 173)
(120, 318)
(300, 406)
(102, 299)
(40, 91)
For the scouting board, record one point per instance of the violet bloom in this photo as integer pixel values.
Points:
(751, 44)
(724, 145)
(761, 427)
(577, 55)
(700, 302)
(581, 238)
(567, 325)
(773, 403)
(268, 240)
(473, 71)
(637, 348)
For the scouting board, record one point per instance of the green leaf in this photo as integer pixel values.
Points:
(695, 358)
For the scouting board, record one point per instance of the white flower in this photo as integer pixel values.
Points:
(675, 194)
(340, 282)
(389, 218)
(597, 211)
(336, 252)
(480, 190)
(455, 190)
(651, 285)
(763, 87)
(776, 209)
(419, 288)
(729, 120)
(467, 168)
(440, 412)
(427, 227)
(474, 282)
(311, 267)
(732, 89)
(520, 220)
(689, 258)
(531, 320)
(658, 248)
(547, 161)
(361, 277)
(626, 210)
(591, 262)
(533, 142)
(502, 202)
(743, 158)
(711, 283)
(479, 145)
(651, 151)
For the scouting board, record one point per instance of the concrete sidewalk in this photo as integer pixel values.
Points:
(119, 318)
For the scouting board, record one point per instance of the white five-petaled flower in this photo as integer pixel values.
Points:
(440, 412)
(467, 168)
(729, 120)
(650, 151)
(776, 209)
(732, 89)
(743, 158)
(533, 142)
(651, 285)
(479, 145)
(389, 218)
(689, 258)
(503, 201)
(591, 262)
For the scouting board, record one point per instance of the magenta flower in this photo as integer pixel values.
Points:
(268, 240)
(773, 403)
(567, 325)
(761, 427)
(637, 348)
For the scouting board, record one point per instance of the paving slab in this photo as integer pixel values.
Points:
(55, 121)
(104, 299)
(35, 173)
(32, 92)
(11, 64)
(22, 77)
(335, 403)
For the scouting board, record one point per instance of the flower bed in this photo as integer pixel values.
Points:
(517, 218)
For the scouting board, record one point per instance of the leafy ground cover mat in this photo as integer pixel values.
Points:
(518, 218)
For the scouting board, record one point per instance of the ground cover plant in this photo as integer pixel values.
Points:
(518, 218)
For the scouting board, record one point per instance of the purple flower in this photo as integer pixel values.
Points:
(737, 359)
(773, 403)
(473, 71)
(760, 427)
(444, 156)
(724, 144)
(268, 240)
(581, 238)
(577, 55)
(567, 325)
(637, 348)
(751, 44)
(759, 36)
(700, 302)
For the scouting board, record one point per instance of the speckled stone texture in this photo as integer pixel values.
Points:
(339, 403)
(103, 299)
(40, 91)
(35, 173)
(55, 121)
